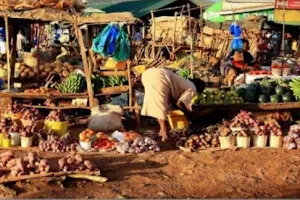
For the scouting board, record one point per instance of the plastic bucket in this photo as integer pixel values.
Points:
(276, 141)
(260, 140)
(243, 142)
(86, 145)
(6, 142)
(26, 141)
(15, 139)
(226, 142)
(60, 128)
(1, 138)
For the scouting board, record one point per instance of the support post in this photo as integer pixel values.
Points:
(85, 65)
(153, 35)
(7, 53)
(191, 42)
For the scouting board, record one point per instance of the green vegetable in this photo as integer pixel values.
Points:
(279, 90)
(263, 99)
(275, 98)
(288, 97)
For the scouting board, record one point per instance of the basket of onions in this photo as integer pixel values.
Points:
(14, 132)
(86, 138)
(27, 136)
(260, 137)
(243, 138)
(6, 140)
(32, 117)
(56, 121)
(292, 140)
(4, 128)
(226, 138)
(276, 135)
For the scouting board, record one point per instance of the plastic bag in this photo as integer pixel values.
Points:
(236, 31)
(106, 118)
(105, 42)
(122, 51)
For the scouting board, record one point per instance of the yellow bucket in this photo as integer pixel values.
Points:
(13, 116)
(1, 138)
(177, 120)
(6, 142)
(60, 128)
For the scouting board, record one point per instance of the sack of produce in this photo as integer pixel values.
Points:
(106, 118)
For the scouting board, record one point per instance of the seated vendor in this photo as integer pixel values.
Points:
(163, 87)
(236, 62)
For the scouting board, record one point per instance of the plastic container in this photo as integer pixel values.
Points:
(15, 139)
(86, 145)
(243, 142)
(226, 142)
(60, 128)
(26, 141)
(6, 142)
(260, 140)
(13, 116)
(177, 120)
(1, 138)
(276, 141)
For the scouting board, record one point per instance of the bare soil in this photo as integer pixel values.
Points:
(253, 173)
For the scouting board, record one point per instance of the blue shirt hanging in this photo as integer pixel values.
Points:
(2, 34)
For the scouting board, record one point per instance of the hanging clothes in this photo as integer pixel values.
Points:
(236, 32)
(2, 41)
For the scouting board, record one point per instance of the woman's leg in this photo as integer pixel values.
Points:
(163, 129)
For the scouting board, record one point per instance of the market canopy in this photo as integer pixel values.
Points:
(138, 8)
(49, 14)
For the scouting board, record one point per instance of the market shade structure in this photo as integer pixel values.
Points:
(49, 14)
(290, 15)
(139, 8)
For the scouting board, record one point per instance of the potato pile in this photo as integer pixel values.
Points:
(292, 140)
(58, 144)
(56, 115)
(30, 164)
(75, 162)
(62, 69)
(176, 134)
(139, 145)
(197, 142)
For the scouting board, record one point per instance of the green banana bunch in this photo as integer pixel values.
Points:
(295, 87)
(74, 83)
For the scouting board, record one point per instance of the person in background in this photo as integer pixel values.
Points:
(2, 41)
(162, 88)
(21, 42)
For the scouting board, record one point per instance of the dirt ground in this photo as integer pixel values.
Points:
(253, 173)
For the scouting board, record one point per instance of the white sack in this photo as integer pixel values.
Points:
(106, 118)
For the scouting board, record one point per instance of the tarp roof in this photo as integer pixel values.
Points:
(139, 8)
(49, 14)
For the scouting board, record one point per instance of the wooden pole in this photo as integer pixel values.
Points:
(201, 29)
(191, 42)
(85, 65)
(174, 38)
(153, 35)
(7, 53)
(38, 54)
